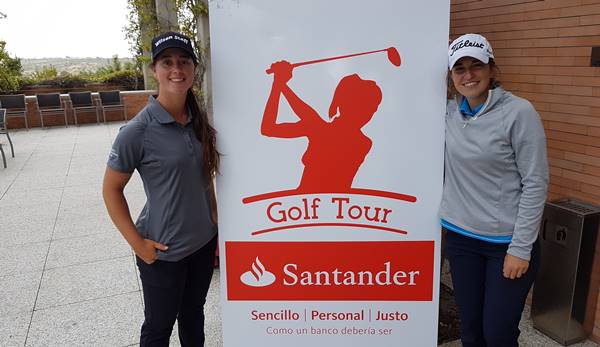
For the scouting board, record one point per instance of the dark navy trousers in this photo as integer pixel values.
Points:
(176, 290)
(489, 305)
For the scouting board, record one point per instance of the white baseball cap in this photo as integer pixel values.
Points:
(470, 45)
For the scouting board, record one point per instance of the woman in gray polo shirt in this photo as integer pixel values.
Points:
(496, 176)
(172, 146)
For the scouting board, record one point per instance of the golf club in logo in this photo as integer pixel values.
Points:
(258, 276)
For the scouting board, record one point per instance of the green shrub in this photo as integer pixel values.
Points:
(10, 71)
(130, 79)
(47, 78)
(46, 73)
(116, 76)
(126, 75)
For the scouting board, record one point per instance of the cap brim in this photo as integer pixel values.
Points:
(192, 54)
(472, 52)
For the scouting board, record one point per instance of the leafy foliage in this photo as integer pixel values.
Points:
(10, 71)
(126, 75)
(46, 73)
(188, 12)
(13, 80)
(141, 15)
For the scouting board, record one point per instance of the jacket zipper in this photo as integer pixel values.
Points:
(472, 119)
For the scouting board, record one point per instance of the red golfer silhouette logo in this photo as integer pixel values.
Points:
(336, 148)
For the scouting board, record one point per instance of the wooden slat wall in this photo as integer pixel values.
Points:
(543, 49)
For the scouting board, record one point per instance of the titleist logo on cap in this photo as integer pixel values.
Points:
(466, 43)
(171, 37)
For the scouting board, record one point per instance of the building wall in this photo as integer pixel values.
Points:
(543, 49)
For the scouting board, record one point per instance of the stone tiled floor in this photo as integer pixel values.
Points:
(67, 278)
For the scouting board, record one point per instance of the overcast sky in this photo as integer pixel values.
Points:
(59, 28)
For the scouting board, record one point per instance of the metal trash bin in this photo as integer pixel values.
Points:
(561, 291)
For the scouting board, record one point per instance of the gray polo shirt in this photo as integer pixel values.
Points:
(168, 157)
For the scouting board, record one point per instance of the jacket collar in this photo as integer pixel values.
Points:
(494, 96)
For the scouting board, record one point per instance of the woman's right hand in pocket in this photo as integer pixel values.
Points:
(146, 250)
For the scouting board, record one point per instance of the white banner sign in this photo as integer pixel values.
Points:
(330, 118)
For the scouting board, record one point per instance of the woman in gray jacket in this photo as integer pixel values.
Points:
(496, 177)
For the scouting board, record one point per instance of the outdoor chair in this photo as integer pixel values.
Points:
(15, 106)
(82, 102)
(3, 155)
(4, 130)
(50, 105)
(111, 101)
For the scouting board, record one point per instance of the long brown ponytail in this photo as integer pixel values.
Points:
(206, 134)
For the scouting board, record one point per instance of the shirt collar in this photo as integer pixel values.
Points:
(466, 109)
(160, 114)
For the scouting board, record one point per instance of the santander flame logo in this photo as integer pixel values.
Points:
(258, 276)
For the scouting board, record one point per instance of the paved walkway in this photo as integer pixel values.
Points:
(67, 278)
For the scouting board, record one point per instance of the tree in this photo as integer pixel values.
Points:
(188, 12)
(116, 63)
(142, 26)
(10, 71)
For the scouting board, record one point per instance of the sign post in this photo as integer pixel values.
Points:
(330, 118)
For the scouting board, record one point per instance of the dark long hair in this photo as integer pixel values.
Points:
(205, 133)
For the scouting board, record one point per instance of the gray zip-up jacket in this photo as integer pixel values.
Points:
(496, 170)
